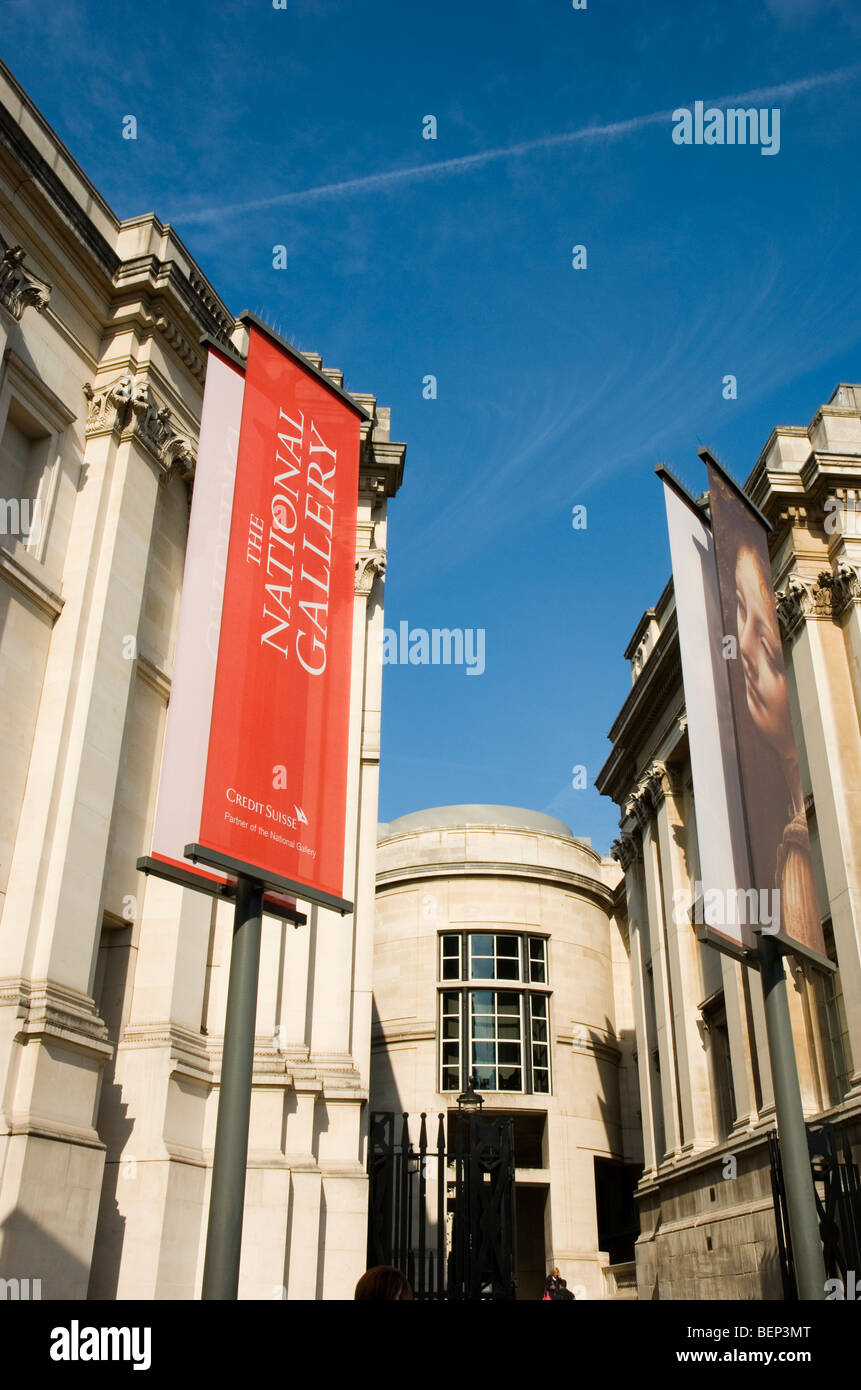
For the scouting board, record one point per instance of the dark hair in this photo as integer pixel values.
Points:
(383, 1282)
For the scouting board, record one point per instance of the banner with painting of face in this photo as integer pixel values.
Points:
(775, 819)
(721, 909)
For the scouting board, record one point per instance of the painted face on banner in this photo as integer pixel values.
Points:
(761, 652)
(780, 858)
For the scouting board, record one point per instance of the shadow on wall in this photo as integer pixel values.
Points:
(31, 1253)
(114, 1126)
(618, 1097)
(384, 1091)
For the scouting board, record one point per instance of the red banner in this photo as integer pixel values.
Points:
(276, 772)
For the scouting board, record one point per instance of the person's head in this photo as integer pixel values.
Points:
(383, 1282)
(761, 652)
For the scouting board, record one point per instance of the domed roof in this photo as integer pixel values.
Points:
(451, 817)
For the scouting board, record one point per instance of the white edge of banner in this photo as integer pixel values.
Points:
(186, 740)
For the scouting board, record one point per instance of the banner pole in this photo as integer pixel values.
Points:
(227, 1199)
(792, 1131)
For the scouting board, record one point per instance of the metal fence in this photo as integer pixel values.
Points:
(444, 1216)
(838, 1201)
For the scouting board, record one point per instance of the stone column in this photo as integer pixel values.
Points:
(683, 966)
(628, 851)
(370, 569)
(829, 720)
(52, 919)
(643, 807)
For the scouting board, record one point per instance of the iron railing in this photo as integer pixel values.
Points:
(474, 1255)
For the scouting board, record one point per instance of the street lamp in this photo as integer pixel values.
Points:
(468, 1103)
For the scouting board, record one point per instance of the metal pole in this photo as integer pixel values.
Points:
(224, 1232)
(797, 1175)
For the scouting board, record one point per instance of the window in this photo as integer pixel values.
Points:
(714, 1016)
(24, 457)
(537, 960)
(450, 958)
(493, 956)
(450, 1011)
(540, 1044)
(33, 425)
(499, 1035)
(496, 1040)
(837, 1028)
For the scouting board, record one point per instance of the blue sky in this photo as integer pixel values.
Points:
(405, 257)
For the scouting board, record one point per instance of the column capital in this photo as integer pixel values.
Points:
(129, 408)
(627, 850)
(19, 287)
(801, 599)
(368, 565)
(844, 585)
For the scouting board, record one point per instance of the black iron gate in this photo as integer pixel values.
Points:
(414, 1192)
(838, 1202)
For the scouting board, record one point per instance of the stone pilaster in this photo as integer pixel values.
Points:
(628, 851)
(52, 916)
(683, 966)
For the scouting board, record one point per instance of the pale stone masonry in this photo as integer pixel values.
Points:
(112, 987)
(449, 881)
(705, 1086)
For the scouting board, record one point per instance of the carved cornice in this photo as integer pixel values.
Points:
(53, 1013)
(649, 793)
(30, 581)
(566, 879)
(381, 467)
(19, 287)
(844, 586)
(184, 350)
(628, 850)
(368, 566)
(130, 410)
(63, 199)
(802, 599)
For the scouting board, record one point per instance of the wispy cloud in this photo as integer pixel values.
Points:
(613, 130)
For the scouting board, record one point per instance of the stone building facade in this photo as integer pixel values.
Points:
(112, 987)
(706, 1211)
(500, 952)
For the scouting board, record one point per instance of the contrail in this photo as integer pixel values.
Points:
(417, 172)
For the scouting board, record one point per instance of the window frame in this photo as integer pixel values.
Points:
(532, 1014)
(22, 388)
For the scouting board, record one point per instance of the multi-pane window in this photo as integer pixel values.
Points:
(493, 956)
(537, 960)
(496, 1039)
(714, 1017)
(450, 1029)
(499, 1035)
(540, 1043)
(831, 991)
(450, 950)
